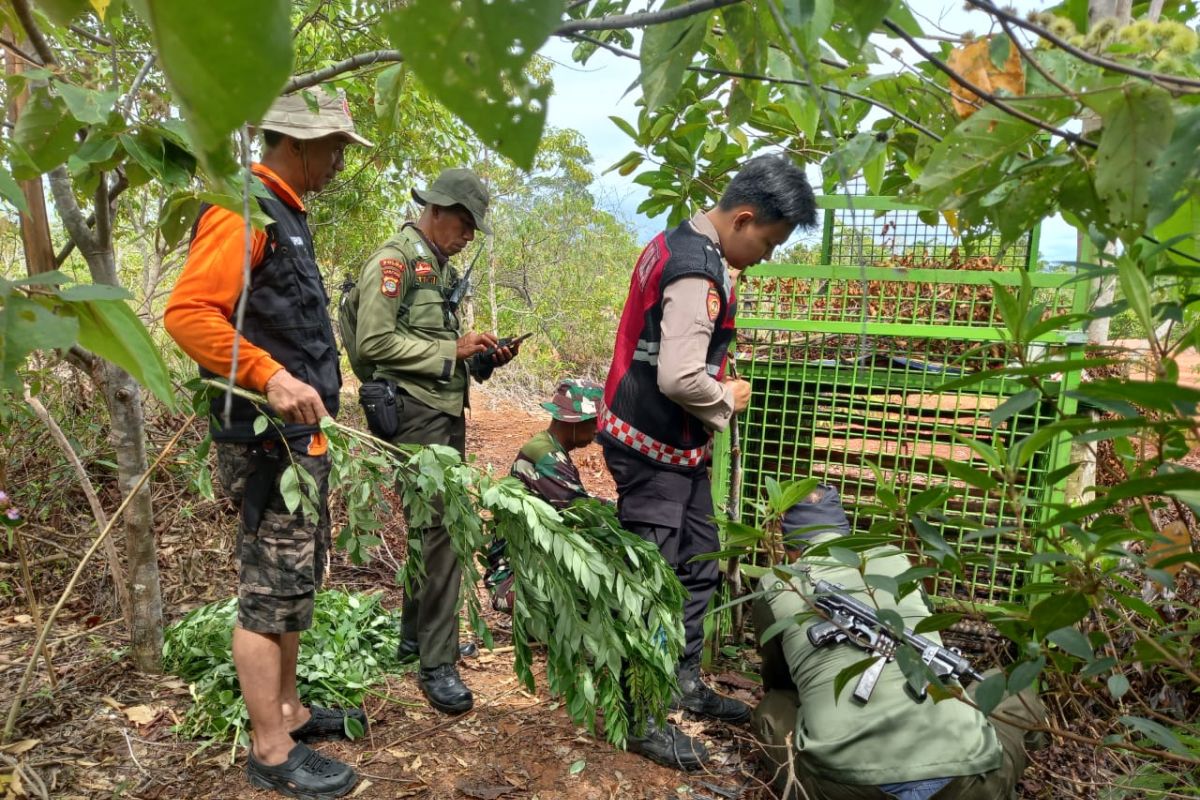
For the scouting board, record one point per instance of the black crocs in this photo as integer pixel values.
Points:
(328, 723)
(306, 775)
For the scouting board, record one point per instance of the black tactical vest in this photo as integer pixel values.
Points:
(287, 315)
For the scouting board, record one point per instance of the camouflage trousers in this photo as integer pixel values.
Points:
(281, 555)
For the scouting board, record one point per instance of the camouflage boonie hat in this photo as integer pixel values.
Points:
(575, 400)
(458, 187)
(292, 116)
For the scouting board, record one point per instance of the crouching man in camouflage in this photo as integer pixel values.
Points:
(544, 465)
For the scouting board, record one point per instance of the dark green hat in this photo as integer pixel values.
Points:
(575, 400)
(458, 187)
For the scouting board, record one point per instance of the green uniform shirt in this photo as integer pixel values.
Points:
(547, 470)
(892, 738)
(404, 330)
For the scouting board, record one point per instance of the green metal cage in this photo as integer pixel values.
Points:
(845, 360)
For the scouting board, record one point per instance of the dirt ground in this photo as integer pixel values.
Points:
(105, 731)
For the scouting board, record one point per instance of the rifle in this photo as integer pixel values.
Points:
(462, 286)
(848, 619)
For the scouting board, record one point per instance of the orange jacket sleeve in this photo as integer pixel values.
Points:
(205, 298)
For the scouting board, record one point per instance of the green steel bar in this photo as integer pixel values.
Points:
(827, 239)
(1039, 280)
(865, 203)
(932, 331)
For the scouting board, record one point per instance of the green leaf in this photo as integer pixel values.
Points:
(990, 692)
(473, 54)
(999, 47)
(1059, 610)
(10, 190)
(1174, 168)
(226, 61)
(936, 622)
(576, 767)
(389, 86)
(177, 217)
(63, 11)
(111, 330)
(1074, 642)
(88, 106)
(1136, 290)
(850, 673)
(353, 727)
(1025, 673)
(45, 131)
(260, 424)
(1157, 733)
(667, 50)
(1137, 128)
(1013, 406)
(1118, 685)
(27, 325)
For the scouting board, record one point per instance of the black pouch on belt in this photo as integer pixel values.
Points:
(378, 399)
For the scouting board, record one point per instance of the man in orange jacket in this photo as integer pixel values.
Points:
(280, 343)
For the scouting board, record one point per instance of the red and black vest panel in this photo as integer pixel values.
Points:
(636, 414)
(287, 315)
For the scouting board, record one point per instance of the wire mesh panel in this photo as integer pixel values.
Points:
(846, 360)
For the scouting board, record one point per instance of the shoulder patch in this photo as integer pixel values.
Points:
(645, 264)
(391, 276)
(714, 304)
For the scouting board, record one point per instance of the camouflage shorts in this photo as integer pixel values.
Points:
(281, 555)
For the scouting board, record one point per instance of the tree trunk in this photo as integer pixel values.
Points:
(123, 397)
(35, 226)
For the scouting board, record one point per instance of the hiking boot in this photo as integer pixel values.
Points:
(410, 650)
(328, 723)
(696, 696)
(306, 775)
(665, 744)
(445, 690)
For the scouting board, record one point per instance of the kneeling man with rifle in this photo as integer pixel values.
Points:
(881, 736)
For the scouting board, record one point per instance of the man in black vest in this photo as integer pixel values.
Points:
(667, 392)
(283, 348)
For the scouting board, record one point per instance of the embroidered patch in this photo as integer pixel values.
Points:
(424, 272)
(714, 304)
(391, 277)
(646, 263)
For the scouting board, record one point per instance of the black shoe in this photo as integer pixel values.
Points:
(306, 774)
(695, 696)
(328, 723)
(445, 690)
(669, 746)
(410, 651)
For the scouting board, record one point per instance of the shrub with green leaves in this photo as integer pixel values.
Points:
(349, 648)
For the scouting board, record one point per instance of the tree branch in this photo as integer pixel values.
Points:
(114, 191)
(19, 53)
(642, 18)
(1179, 83)
(68, 209)
(333, 70)
(1025, 54)
(33, 34)
(992, 99)
(138, 80)
(86, 34)
(769, 79)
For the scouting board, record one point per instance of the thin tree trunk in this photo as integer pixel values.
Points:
(35, 226)
(123, 397)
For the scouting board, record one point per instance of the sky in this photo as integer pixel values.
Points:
(585, 96)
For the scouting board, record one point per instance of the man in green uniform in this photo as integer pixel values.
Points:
(892, 746)
(406, 331)
(544, 465)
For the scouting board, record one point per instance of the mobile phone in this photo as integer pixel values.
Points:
(513, 341)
